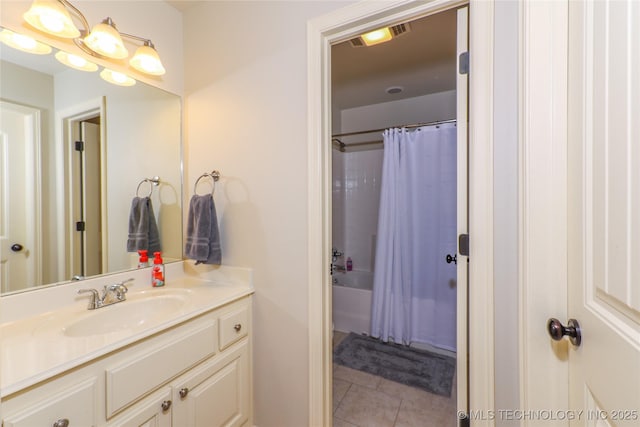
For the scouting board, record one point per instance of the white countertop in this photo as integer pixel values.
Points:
(33, 343)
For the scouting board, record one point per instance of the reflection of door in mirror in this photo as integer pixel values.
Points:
(86, 200)
(19, 190)
(84, 147)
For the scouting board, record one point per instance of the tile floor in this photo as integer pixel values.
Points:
(364, 400)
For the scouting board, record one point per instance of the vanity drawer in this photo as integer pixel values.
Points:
(141, 374)
(75, 404)
(233, 326)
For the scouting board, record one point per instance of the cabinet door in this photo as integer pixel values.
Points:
(73, 407)
(153, 411)
(216, 393)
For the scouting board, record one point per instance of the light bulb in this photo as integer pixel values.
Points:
(24, 43)
(75, 61)
(117, 78)
(377, 36)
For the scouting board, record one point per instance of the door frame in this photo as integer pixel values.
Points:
(342, 25)
(542, 230)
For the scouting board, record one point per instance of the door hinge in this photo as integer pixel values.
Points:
(80, 226)
(463, 244)
(79, 145)
(463, 63)
(464, 420)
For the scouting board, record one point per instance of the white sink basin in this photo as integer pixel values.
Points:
(140, 310)
(126, 315)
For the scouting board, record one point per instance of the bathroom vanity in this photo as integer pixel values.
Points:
(173, 356)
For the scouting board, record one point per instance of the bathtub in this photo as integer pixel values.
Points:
(352, 296)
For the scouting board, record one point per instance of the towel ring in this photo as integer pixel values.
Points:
(214, 175)
(155, 181)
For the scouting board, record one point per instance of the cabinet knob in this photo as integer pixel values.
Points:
(166, 405)
(63, 422)
(183, 392)
(237, 327)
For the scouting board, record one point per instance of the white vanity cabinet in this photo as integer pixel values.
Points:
(69, 406)
(152, 411)
(214, 394)
(197, 373)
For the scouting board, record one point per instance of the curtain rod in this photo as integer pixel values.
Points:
(416, 125)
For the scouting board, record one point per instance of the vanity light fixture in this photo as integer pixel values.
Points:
(146, 60)
(117, 78)
(104, 41)
(51, 17)
(75, 61)
(24, 43)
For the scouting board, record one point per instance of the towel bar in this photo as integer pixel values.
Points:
(214, 175)
(155, 181)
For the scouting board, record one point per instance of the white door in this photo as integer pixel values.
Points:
(19, 197)
(604, 210)
(86, 195)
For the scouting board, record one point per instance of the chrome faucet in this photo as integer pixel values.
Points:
(111, 294)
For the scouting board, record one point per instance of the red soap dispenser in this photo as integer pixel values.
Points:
(157, 272)
(144, 259)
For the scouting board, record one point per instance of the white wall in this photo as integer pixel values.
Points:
(246, 101)
(426, 108)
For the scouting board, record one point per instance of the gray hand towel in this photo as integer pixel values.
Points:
(203, 237)
(143, 230)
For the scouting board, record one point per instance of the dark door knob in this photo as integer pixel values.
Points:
(451, 259)
(16, 247)
(557, 330)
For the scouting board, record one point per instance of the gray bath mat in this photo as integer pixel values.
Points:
(417, 368)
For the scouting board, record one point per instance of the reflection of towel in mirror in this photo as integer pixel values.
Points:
(143, 231)
(203, 237)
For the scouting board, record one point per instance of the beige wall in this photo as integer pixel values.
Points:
(246, 109)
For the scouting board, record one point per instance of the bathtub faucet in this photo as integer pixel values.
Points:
(336, 267)
(335, 254)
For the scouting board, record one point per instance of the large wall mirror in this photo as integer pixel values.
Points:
(65, 205)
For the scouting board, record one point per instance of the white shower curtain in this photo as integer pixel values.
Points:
(414, 289)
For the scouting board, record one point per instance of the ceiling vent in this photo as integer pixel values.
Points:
(396, 30)
(400, 29)
(357, 42)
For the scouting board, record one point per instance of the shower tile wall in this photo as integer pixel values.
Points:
(356, 187)
(338, 200)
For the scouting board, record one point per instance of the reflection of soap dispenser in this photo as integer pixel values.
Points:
(157, 272)
(349, 264)
(144, 259)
